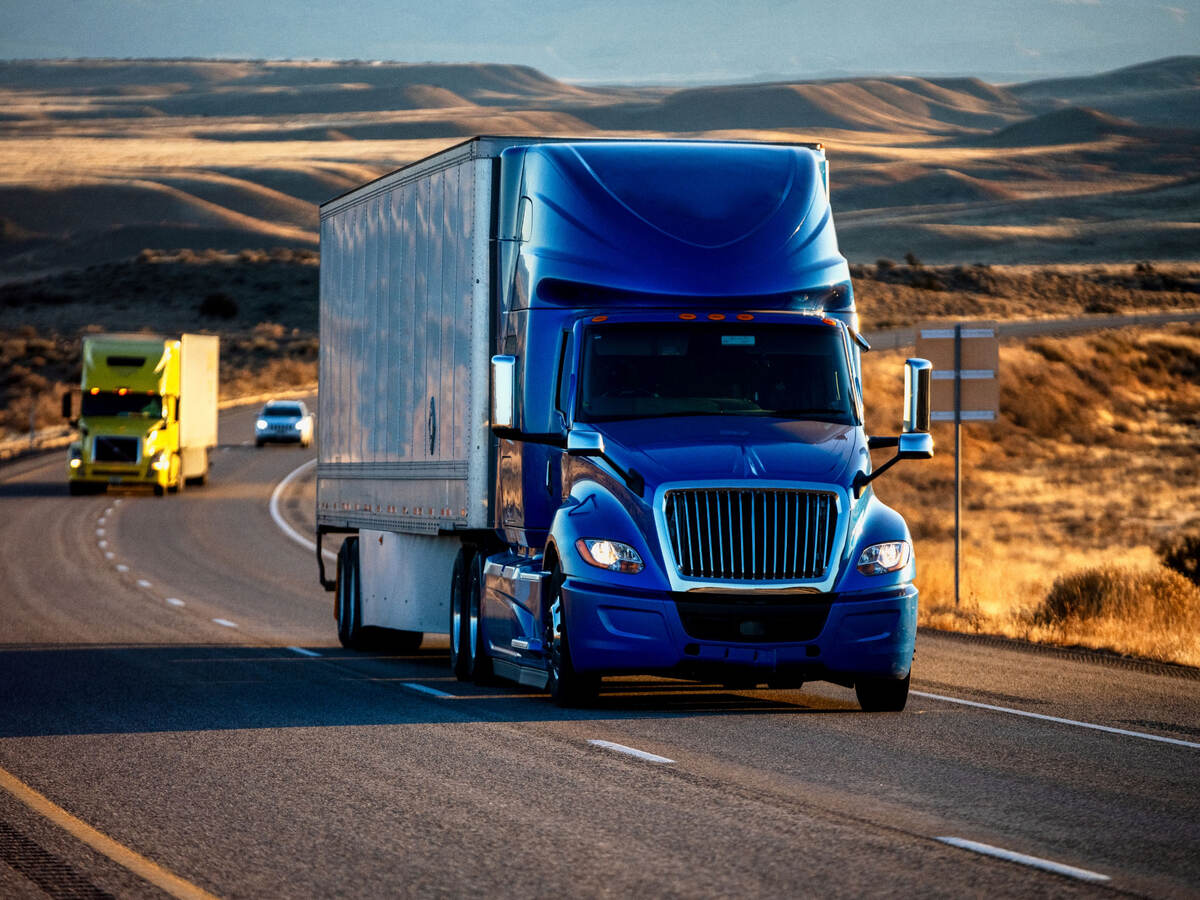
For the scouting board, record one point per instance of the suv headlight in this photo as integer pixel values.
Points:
(886, 557)
(611, 555)
(260, 425)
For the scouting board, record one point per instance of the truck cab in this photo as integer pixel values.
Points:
(147, 413)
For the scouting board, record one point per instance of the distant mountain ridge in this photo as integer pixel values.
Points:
(100, 158)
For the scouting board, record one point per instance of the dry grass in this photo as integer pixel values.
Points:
(1092, 465)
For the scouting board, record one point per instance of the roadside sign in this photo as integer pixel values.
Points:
(969, 354)
(966, 388)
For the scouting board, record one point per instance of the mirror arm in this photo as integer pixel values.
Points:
(862, 479)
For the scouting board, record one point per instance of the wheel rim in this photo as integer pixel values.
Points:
(456, 615)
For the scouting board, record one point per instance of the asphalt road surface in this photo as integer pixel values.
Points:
(176, 715)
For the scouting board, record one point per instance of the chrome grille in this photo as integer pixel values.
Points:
(117, 449)
(751, 534)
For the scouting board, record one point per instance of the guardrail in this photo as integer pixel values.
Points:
(58, 436)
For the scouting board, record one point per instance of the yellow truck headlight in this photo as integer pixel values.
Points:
(161, 462)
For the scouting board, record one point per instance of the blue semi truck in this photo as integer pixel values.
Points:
(594, 407)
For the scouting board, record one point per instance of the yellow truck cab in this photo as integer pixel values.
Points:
(148, 412)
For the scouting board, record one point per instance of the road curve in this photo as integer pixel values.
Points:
(186, 699)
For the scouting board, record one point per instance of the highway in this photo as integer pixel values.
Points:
(177, 717)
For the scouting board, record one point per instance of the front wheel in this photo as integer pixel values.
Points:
(882, 694)
(567, 687)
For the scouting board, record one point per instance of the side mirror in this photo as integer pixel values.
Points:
(915, 445)
(584, 442)
(918, 376)
(504, 392)
(66, 405)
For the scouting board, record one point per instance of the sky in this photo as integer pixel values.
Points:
(628, 41)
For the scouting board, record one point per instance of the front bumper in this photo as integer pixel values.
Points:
(833, 637)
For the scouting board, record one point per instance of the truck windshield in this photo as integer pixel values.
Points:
(111, 403)
(793, 371)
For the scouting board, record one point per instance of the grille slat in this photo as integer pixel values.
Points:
(771, 534)
(116, 449)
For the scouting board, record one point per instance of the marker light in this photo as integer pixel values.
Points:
(879, 559)
(121, 392)
(716, 317)
(612, 555)
(95, 390)
(599, 318)
(687, 317)
(744, 317)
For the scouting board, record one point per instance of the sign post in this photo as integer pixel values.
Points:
(965, 357)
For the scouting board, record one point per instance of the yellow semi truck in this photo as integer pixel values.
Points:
(147, 413)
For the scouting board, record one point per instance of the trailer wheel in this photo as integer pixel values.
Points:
(349, 596)
(460, 655)
(882, 694)
(479, 665)
(567, 687)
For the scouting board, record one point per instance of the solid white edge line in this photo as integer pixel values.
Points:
(432, 692)
(226, 623)
(279, 520)
(142, 582)
(631, 751)
(303, 652)
(1036, 861)
(121, 567)
(1032, 715)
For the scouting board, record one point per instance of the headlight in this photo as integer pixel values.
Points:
(260, 425)
(888, 557)
(161, 463)
(75, 462)
(611, 555)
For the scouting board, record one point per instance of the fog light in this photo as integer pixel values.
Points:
(612, 555)
(887, 557)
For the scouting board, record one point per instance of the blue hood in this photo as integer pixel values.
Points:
(710, 448)
(692, 218)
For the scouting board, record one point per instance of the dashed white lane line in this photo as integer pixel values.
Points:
(226, 623)
(121, 567)
(1037, 862)
(110, 555)
(1032, 715)
(103, 545)
(142, 582)
(108, 511)
(631, 751)
(99, 532)
(432, 692)
(175, 601)
(118, 502)
(102, 521)
(279, 520)
(303, 652)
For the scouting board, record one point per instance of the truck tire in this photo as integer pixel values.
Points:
(460, 575)
(479, 666)
(348, 607)
(882, 694)
(567, 687)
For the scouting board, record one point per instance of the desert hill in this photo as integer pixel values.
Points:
(101, 158)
